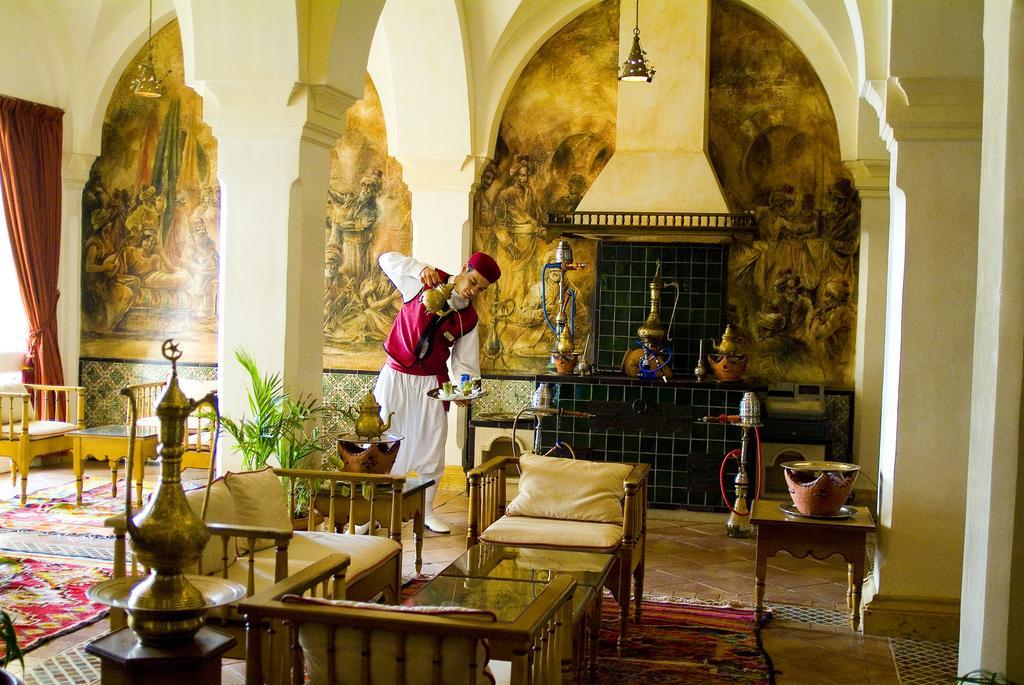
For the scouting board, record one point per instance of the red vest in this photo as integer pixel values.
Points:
(417, 330)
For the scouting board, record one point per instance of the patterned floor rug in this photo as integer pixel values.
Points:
(681, 643)
(46, 599)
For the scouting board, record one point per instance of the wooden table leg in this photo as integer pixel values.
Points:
(418, 521)
(595, 634)
(76, 465)
(856, 588)
(113, 476)
(140, 471)
(760, 572)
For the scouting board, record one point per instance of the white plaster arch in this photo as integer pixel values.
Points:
(348, 52)
(429, 88)
(117, 37)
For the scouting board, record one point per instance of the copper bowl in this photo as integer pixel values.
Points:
(819, 488)
(728, 367)
(376, 457)
(565, 363)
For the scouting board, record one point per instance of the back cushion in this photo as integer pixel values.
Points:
(221, 509)
(10, 408)
(459, 655)
(259, 501)
(577, 490)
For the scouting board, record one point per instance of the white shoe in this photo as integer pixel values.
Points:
(436, 525)
(364, 528)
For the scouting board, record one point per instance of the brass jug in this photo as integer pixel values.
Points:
(368, 423)
(436, 299)
(166, 535)
(652, 331)
(565, 345)
(730, 342)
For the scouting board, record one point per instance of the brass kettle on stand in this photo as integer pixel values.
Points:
(368, 423)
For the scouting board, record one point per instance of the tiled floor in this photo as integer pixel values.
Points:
(688, 555)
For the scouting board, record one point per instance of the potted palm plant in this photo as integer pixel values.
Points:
(276, 428)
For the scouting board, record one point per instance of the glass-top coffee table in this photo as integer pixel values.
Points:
(110, 443)
(505, 580)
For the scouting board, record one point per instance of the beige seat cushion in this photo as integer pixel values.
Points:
(542, 532)
(460, 657)
(366, 552)
(577, 490)
(39, 430)
(259, 501)
(221, 509)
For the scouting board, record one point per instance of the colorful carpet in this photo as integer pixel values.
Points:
(47, 599)
(682, 643)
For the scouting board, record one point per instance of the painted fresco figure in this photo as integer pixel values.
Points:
(832, 324)
(146, 261)
(791, 300)
(353, 235)
(146, 214)
(483, 209)
(840, 232)
(203, 261)
(109, 289)
(571, 200)
(517, 215)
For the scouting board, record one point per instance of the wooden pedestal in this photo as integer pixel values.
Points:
(123, 661)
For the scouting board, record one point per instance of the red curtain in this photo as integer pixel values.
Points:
(30, 175)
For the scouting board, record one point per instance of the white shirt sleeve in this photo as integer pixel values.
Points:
(404, 272)
(466, 354)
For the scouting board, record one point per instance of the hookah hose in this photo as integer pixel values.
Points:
(734, 454)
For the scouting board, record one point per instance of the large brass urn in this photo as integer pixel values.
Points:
(166, 607)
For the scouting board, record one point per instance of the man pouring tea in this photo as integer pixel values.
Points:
(422, 343)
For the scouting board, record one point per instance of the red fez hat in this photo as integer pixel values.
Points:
(485, 265)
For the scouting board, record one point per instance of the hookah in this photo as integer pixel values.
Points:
(651, 359)
(749, 419)
(563, 354)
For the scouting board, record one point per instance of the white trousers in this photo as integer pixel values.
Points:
(420, 420)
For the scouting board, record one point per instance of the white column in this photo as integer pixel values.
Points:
(442, 235)
(274, 167)
(926, 390)
(871, 176)
(74, 176)
(992, 605)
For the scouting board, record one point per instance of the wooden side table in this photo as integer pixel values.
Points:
(778, 531)
(111, 443)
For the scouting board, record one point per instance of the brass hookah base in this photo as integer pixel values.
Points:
(738, 524)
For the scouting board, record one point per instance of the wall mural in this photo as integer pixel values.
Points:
(774, 145)
(150, 218)
(368, 213)
(556, 134)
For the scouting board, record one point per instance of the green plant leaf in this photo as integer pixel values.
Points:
(11, 649)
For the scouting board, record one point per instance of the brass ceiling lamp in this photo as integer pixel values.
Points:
(636, 67)
(146, 83)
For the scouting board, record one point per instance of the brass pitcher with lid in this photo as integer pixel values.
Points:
(166, 535)
(368, 423)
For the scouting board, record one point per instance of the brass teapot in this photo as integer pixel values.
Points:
(436, 299)
(368, 423)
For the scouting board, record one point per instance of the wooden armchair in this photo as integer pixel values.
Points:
(568, 504)
(349, 643)
(35, 421)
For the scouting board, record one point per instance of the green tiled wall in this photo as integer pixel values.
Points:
(626, 270)
(103, 380)
(684, 464)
